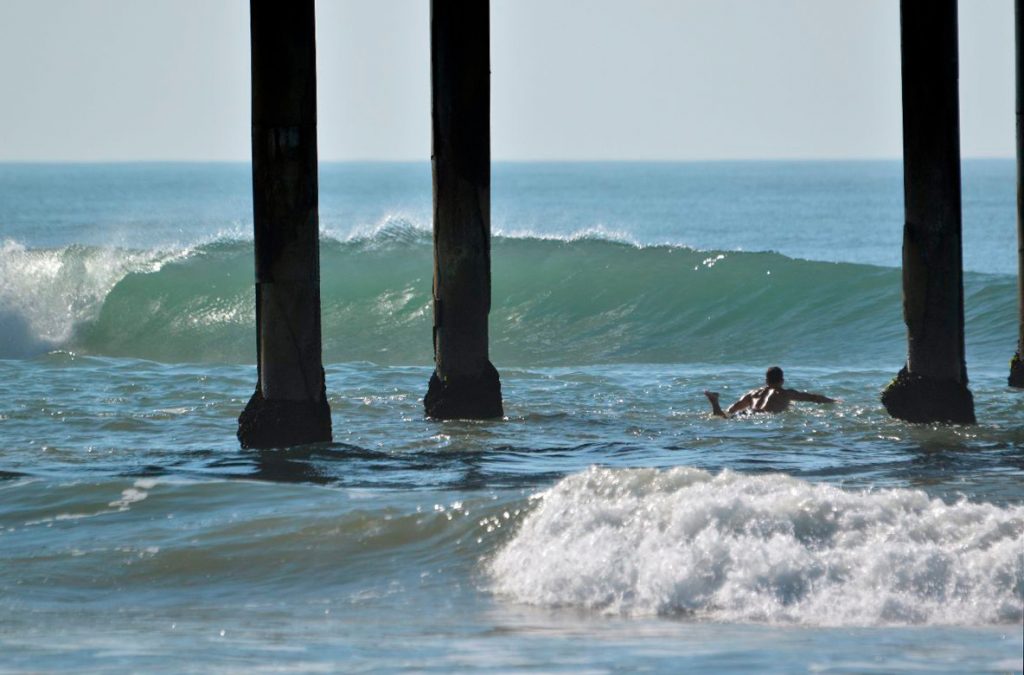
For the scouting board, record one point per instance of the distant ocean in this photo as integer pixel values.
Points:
(606, 523)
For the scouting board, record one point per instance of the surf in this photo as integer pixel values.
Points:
(763, 548)
(581, 299)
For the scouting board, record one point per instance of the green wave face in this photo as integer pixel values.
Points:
(554, 302)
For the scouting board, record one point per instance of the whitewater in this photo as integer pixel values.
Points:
(608, 522)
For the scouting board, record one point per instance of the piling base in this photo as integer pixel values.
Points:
(467, 399)
(280, 424)
(915, 398)
(1016, 378)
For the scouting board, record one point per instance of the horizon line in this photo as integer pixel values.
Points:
(737, 160)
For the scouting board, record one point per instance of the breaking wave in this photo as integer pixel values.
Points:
(590, 298)
(769, 548)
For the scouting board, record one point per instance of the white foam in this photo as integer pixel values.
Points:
(769, 548)
(406, 228)
(128, 497)
(46, 293)
(393, 228)
(593, 233)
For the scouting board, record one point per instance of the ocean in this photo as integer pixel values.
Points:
(607, 523)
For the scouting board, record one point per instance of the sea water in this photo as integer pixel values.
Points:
(606, 523)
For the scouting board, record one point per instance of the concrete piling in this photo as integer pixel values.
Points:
(932, 386)
(1016, 378)
(464, 385)
(289, 406)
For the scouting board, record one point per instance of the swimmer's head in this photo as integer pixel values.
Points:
(773, 376)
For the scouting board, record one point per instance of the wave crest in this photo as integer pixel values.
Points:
(46, 294)
(583, 299)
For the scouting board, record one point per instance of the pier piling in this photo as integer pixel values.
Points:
(932, 386)
(1016, 378)
(289, 406)
(464, 385)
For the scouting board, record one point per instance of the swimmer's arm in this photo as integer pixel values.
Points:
(809, 397)
(742, 404)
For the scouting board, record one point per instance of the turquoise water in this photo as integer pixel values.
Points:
(606, 523)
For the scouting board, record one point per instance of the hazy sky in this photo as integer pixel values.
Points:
(96, 80)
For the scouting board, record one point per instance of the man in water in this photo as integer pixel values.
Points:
(772, 397)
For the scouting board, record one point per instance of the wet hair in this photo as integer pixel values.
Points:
(773, 375)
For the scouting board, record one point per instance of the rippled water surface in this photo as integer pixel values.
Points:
(607, 523)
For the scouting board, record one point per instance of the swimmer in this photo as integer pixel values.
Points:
(772, 397)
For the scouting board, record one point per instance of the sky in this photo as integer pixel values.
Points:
(123, 80)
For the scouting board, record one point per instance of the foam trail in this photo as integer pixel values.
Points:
(771, 548)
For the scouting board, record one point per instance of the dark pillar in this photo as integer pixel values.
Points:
(464, 383)
(290, 403)
(1016, 378)
(932, 386)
